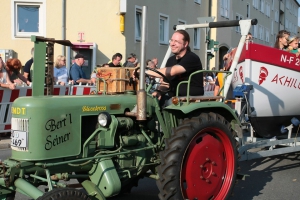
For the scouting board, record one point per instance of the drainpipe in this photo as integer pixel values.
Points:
(63, 32)
(207, 36)
(209, 8)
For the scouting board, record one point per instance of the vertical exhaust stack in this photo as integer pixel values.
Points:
(141, 94)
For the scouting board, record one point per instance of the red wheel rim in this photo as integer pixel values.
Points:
(208, 167)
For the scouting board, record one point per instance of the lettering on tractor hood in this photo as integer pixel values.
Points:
(52, 124)
(93, 108)
(18, 111)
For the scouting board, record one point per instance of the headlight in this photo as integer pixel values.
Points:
(104, 119)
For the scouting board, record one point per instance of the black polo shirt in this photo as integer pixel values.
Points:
(191, 63)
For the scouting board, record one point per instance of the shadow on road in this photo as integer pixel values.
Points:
(261, 173)
(146, 190)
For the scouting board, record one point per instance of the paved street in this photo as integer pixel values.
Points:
(273, 178)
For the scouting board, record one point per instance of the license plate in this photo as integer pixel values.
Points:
(19, 139)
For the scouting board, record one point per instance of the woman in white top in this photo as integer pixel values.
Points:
(4, 78)
(61, 74)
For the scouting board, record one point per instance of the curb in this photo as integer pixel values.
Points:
(5, 143)
(5, 146)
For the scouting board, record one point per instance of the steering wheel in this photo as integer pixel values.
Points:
(154, 82)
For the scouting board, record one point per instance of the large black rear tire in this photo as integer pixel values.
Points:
(64, 194)
(200, 160)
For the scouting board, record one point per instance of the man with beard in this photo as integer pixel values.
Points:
(179, 67)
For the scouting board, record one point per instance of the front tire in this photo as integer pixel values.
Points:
(199, 161)
(64, 194)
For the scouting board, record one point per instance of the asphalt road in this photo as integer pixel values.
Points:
(273, 178)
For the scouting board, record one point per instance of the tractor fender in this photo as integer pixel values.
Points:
(211, 106)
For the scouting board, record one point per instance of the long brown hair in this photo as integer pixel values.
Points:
(280, 34)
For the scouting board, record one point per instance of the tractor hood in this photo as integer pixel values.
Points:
(54, 124)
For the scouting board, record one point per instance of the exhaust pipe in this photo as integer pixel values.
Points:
(141, 94)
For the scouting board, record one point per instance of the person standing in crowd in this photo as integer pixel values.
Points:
(155, 61)
(13, 67)
(27, 66)
(282, 40)
(60, 72)
(116, 60)
(4, 79)
(76, 72)
(130, 60)
(149, 79)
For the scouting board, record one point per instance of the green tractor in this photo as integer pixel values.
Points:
(189, 148)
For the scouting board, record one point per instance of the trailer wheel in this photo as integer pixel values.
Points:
(199, 160)
(64, 194)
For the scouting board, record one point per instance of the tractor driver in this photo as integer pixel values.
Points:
(179, 67)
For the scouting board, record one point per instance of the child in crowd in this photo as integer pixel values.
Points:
(293, 45)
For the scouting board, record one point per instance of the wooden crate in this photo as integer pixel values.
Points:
(117, 79)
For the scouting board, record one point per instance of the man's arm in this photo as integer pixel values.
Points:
(7, 85)
(25, 80)
(168, 71)
(74, 74)
(26, 71)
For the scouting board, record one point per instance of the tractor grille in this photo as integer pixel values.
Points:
(18, 124)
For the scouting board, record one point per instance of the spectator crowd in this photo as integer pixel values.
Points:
(11, 76)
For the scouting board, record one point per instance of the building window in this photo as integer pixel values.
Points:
(196, 38)
(276, 13)
(286, 24)
(197, 1)
(255, 4)
(163, 29)
(225, 8)
(248, 11)
(138, 23)
(267, 35)
(261, 32)
(288, 4)
(272, 27)
(268, 9)
(238, 17)
(28, 18)
(262, 6)
(255, 35)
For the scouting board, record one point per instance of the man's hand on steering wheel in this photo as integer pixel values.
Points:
(157, 94)
(165, 79)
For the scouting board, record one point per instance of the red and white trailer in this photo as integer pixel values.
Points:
(274, 75)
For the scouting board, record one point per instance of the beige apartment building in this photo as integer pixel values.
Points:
(101, 28)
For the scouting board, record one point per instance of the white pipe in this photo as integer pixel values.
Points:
(143, 49)
(245, 27)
